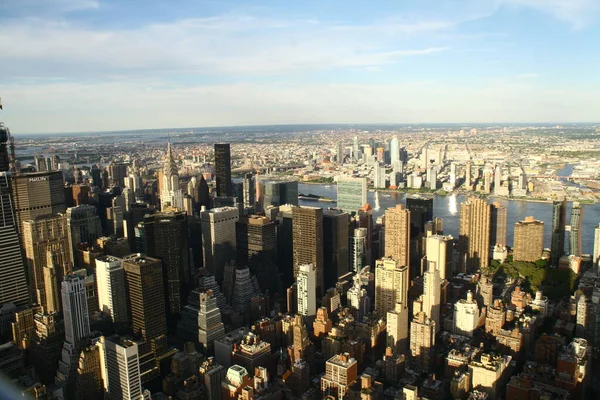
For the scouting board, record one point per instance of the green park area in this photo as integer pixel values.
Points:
(553, 282)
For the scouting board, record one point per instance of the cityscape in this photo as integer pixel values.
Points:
(311, 200)
(370, 262)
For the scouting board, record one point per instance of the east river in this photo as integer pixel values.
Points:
(448, 208)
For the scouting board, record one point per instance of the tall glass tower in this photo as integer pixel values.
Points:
(13, 285)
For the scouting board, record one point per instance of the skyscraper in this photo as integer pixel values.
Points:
(351, 193)
(307, 225)
(307, 285)
(391, 285)
(575, 232)
(110, 281)
(37, 194)
(13, 285)
(468, 175)
(278, 193)
(421, 211)
(439, 251)
(397, 234)
(120, 365)
(249, 191)
(210, 327)
(335, 245)
(256, 245)
(432, 294)
(144, 284)
(394, 150)
(559, 222)
(75, 310)
(596, 256)
(223, 170)
(422, 341)
(167, 240)
(361, 257)
(219, 238)
(84, 226)
(498, 222)
(46, 238)
(529, 240)
(474, 234)
(171, 194)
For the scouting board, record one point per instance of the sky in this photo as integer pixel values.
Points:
(95, 65)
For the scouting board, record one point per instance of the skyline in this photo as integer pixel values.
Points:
(73, 63)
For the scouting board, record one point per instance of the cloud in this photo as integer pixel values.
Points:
(578, 13)
(228, 44)
(31, 8)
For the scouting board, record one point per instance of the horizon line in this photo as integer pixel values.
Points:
(141, 130)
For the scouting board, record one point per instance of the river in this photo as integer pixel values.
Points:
(448, 208)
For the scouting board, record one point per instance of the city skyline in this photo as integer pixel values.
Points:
(218, 64)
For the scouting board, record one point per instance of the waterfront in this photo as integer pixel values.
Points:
(448, 208)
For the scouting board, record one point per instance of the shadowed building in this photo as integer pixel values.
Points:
(474, 234)
(223, 170)
(308, 241)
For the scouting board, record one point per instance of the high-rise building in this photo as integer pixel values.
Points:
(422, 341)
(378, 175)
(244, 287)
(223, 169)
(341, 372)
(575, 229)
(358, 300)
(498, 223)
(46, 238)
(13, 285)
(596, 256)
(144, 283)
(421, 211)
(529, 240)
(279, 193)
(256, 246)
(351, 193)
(167, 240)
(212, 374)
(120, 365)
(307, 286)
(474, 234)
(432, 289)
(171, 195)
(559, 222)
(37, 194)
(210, 327)
(308, 241)
(468, 175)
(340, 153)
(75, 310)
(466, 316)
(110, 280)
(117, 173)
(84, 226)
(397, 329)
(249, 191)
(397, 234)
(88, 374)
(394, 150)
(360, 251)
(439, 251)
(219, 238)
(335, 245)
(391, 285)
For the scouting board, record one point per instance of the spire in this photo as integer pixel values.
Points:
(170, 167)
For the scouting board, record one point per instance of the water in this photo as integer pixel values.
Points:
(448, 208)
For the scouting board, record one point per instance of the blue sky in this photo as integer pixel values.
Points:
(87, 65)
